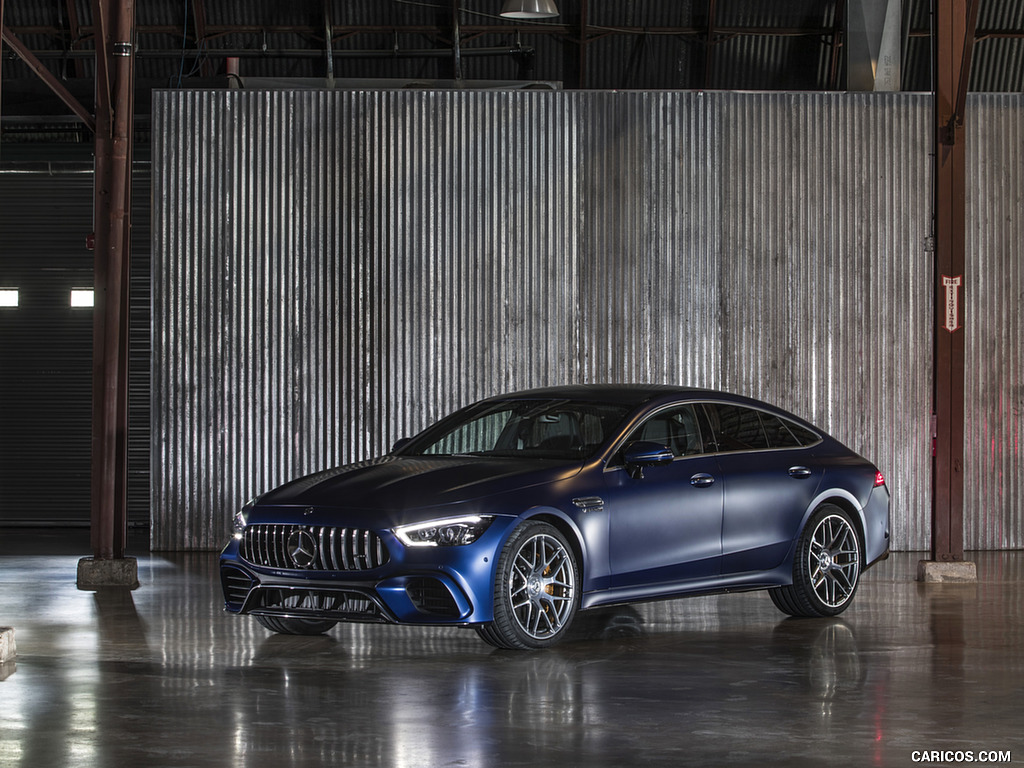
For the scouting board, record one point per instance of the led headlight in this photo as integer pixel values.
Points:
(451, 532)
(241, 519)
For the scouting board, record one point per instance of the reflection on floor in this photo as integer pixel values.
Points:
(162, 677)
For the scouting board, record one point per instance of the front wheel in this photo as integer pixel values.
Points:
(295, 626)
(826, 567)
(536, 591)
(298, 626)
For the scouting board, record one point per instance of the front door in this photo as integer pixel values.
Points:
(666, 526)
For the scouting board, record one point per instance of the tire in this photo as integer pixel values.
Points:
(826, 566)
(536, 591)
(295, 626)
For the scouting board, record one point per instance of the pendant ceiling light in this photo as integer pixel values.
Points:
(529, 9)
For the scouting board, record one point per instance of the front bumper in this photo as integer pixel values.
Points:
(416, 585)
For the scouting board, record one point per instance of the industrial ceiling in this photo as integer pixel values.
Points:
(798, 45)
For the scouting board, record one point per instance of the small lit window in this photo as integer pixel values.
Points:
(81, 297)
(8, 297)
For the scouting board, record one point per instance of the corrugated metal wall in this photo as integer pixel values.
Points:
(334, 270)
(824, 220)
(994, 430)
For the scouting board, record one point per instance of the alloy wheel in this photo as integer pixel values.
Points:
(542, 586)
(833, 561)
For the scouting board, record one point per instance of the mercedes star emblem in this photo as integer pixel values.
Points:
(302, 548)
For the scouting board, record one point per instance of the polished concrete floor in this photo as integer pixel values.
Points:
(162, 677)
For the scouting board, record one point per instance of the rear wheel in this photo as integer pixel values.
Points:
(826, 567)
(536, 592)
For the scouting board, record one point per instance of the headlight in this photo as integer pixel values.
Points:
(241, 519)
(453, 532)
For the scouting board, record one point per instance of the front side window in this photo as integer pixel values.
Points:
(677, 429)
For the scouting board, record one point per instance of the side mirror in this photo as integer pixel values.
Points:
(644, 453)
(400, 444)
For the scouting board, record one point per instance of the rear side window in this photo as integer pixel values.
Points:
(778, 432)
(801, 435)
(736, 428)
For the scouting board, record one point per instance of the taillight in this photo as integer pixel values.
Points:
(879, 479)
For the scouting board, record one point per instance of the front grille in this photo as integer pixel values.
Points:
(334, 549)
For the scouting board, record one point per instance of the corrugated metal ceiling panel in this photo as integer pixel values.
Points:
(797, 57)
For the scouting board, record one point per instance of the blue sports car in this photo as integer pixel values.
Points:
(515, 513)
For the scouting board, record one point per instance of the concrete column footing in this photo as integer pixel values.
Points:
(117, 572)
(8, 650)
(935, 572)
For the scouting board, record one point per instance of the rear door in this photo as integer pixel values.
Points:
(769, 478)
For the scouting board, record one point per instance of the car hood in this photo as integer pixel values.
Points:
(396, 483)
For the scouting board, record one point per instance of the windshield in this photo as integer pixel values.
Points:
(542, 429)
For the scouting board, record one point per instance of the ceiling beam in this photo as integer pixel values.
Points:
(219, 30)
(201, 27)
(838, 44)
(214, 31)
(709, 47)
(55, 85)
(74, 32)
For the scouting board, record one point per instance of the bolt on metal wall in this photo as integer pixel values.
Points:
(334, 270)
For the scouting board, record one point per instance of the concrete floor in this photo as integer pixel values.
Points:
(163, 677)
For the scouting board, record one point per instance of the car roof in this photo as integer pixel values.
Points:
(637, 395)
(624, 394)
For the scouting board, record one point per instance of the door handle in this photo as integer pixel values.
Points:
(799, 472)
(702, 480)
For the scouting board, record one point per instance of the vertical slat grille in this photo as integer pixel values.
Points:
(337, 549)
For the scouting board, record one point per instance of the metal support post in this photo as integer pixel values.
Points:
(115, 24)
(456, 43)
(954, 35)
(2, 30)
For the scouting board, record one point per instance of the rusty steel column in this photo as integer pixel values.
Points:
(114, 21)
(954, 35)
(581, 80)
(1, 56)
(456, 43)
